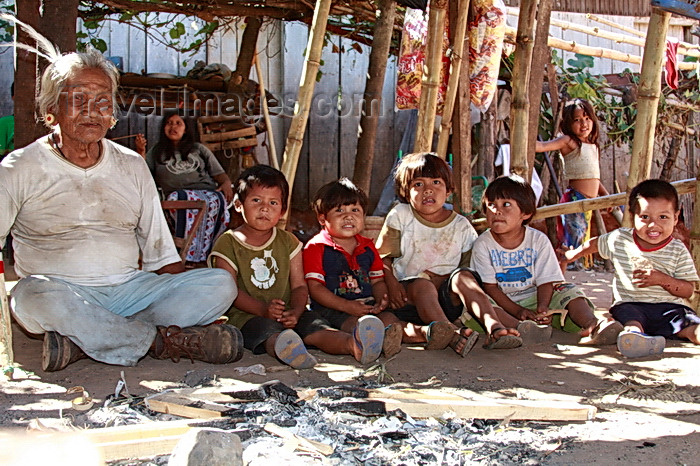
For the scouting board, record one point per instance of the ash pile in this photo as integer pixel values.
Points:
(257, 424)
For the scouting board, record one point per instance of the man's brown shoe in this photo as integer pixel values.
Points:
(59, 351)
(217, 344)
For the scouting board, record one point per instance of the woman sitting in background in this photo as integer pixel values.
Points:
(187, 170)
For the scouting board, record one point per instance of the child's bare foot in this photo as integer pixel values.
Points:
(605, 332)
(503, 338)
(533, 333)
(393, 334)
(463, 341)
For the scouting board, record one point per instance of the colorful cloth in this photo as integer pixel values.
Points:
(573, 229)
(347, 276)
(214, 224)
(486, 34)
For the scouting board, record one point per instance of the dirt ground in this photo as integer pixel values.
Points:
(648, 408)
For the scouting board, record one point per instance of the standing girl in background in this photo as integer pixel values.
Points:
(579, 146)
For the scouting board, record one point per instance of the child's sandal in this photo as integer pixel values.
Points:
(439, 335)
(467, 341)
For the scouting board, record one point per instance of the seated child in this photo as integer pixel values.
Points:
(654, 273)
(521, 273)
(425, 248)
(266, 263)
(345, 274)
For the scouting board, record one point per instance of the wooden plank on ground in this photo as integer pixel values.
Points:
(185, 406)
(434, 403)
(300, 442)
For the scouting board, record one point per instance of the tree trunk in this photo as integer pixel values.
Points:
(487, 140)
(461, 142)
(372, 99)
(249, 42)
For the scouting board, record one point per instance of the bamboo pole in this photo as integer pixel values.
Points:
(695, 235)
(372, 99)
(6, 354)
(594, 51)
(647, 102)
(683, 47)
(295, 137)
(453, 83)
(272, 150)
(604, 202)
(430, 83)
(520, 104)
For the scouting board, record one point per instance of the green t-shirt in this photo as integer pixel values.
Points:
(263, 271)
(7, 135)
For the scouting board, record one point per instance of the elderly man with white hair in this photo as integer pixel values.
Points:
(82, 210)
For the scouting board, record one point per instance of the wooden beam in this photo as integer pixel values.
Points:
(372, 98)
(520, 82)
(295, 137)
(435, 403)
(430, 82)
(603, 202)
(649, 90)
(170, 402)
(461, 142)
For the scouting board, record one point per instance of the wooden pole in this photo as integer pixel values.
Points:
(603, 202)
(684, 48)
(453, 83)
(7, 357)
(295, 138)
(541, 55)
(430, 83)
(648, 102)
(372, 99)
(461, 142)
(272, 150)
(571, 46)
(520, 82)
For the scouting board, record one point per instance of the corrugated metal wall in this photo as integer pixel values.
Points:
(599, 7)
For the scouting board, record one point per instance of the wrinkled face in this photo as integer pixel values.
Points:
(262, 207)
(174, 128)
(344, 221)
(85, 107)
(581, 125)
(504, 215)
(427, 196)
(655, 221)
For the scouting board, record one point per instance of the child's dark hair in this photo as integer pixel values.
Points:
(336, 194)
(512, 187)
(421, 165)
(653, 189)
(261, 175)
(567, 120)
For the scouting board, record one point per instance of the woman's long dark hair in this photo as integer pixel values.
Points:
(165, 148)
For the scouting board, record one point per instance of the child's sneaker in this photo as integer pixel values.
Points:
(533, 333)
(290, 349)
(369, 336)
(637, 345)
